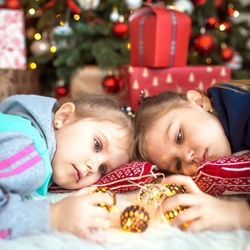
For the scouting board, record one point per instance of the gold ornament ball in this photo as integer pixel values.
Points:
(107, 191)
(134, 219)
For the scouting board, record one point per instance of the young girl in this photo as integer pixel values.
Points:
(72, 143)
(179, 131)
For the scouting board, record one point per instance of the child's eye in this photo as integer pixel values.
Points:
(97, 145)
(178, 164)
(179, 137)
(102, 170)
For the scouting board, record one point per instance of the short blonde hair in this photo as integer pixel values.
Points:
(148, 113)
(103, 108)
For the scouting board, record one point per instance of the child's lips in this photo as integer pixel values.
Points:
(205, 155)
(78, 173)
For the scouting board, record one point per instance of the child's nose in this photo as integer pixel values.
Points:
(92, 166)
(189, 156)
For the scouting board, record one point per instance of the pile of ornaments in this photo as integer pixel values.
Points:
(135, 218)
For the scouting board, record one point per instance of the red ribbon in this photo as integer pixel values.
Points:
(70, 3)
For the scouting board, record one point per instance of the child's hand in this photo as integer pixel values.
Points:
(206, 211)
(78, 213)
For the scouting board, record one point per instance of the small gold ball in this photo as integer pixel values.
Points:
(134, 219)
(108, 191)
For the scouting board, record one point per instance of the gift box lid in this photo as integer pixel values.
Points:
(159, 37)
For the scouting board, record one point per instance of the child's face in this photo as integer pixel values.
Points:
(86, 150)
(181, 139)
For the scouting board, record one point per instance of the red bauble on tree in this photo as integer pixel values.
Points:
(204, 44)
(211, 21)
(13, 4)
(111, 84)
(120, 29)
(226, 54)
(198, 2)
(219, 3)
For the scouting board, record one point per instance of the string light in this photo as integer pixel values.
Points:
(32, 65)
(128, 45)
(236, 13)
(32, 11)
(37, 36)
(53, 49)
(209, 60)
(76, 17)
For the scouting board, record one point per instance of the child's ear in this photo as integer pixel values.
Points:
(195, 97)
(64, 114)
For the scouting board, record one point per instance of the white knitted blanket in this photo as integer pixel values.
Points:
(158, 236)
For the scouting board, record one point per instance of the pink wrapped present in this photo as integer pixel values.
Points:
(12, 39)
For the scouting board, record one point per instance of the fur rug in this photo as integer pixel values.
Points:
(158, 236)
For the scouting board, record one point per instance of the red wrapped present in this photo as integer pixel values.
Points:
(12, 39)
(154, 81)
(159, 37)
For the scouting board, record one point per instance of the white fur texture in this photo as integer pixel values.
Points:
(158, 236)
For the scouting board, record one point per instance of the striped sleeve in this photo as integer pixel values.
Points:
(21, 172)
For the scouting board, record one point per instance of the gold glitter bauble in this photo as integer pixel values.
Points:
(134, 219)
(154, 194)
(108, 191)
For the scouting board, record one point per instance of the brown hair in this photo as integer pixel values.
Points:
(150, 111)
(102, 108)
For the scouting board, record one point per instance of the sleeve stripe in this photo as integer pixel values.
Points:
(14, 158)
(31, 162)
(5, 233)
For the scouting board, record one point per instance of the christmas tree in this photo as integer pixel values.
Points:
(65, 35)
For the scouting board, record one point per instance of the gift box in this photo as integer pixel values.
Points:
(156, 80)
(159, 37)
(12, 39)
(87, 80)
(18, 82)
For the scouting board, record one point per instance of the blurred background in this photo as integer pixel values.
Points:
(68, 41)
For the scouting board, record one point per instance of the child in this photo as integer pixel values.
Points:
(72, 143)
(179, 131)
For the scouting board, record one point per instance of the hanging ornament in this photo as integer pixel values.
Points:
(39, 47)
(236, 62)
(114, 15)
(204, 44)
(134, 219)
(61, 89)
(110, 84)
(154, 194)
(198, 2)
(108, 191)
(184, 6)
(13, 4)
(120, 29)
(134, 4)
(211, 22)
(62, 36)
(226, 54)
(88, 4)
(219, 3)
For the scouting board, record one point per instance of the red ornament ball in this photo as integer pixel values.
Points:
(198, 2)
(61, 91)
(226, 54)
(13, 4)
(219, 3)
(111, 84)
(120, 29)
(204, 44)
(211, 21)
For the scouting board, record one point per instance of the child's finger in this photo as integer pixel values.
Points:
(184, 200)
(84, 191)
(183, 180)
(186, 217)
